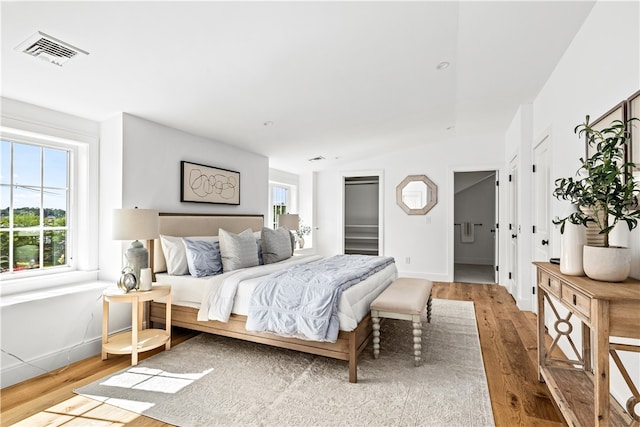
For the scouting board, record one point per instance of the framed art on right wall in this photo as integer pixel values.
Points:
(633, 110)
(604, 121)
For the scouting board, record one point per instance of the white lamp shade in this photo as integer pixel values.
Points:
(135, 224)
(289, 221)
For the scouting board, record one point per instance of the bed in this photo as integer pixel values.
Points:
(188, 293)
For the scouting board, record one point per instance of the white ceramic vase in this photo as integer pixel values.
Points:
(612, 264)
(571, 253)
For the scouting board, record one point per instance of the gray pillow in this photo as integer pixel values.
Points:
(276, 245)
(203, 257)
(238, 250)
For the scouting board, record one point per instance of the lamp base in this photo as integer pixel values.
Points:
(137, 258)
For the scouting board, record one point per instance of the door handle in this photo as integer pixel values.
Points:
(514, 236)
(545, 242)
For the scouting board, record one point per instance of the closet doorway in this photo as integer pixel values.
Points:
(362, 226)
(475, 232)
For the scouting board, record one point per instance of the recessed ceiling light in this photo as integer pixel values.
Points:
(268, 123)
(442, 65)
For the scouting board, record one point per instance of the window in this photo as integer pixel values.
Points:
(34, 206)
(280, 200)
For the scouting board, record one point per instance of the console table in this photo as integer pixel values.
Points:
(579, 382)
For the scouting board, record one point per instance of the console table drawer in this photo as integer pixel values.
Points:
(575, 299)
(549, 284)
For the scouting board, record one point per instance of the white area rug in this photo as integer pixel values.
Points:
(211, 380)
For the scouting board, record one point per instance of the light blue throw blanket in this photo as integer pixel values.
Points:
(302, 301)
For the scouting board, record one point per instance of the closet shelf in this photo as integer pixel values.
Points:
(348, 251)
(347, 237)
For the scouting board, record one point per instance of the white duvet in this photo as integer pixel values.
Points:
(217, 297)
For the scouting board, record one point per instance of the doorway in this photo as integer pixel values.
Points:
(475, 231)
(362, 215)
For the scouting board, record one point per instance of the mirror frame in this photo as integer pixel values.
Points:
(433, 200)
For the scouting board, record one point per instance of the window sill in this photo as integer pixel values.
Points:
(29, 288)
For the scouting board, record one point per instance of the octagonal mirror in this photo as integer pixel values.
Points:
(416, 194)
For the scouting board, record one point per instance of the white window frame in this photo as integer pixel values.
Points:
(70, 237)
(278, 178)
(82, 253)
(292, 199)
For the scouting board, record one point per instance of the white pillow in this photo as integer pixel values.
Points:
(238, 250)
(175, 253)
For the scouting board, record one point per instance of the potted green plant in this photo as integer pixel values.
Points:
(302, 231)
(605, 191)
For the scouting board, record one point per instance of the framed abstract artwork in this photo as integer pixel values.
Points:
(616, 113)
(208, 184)
(633, 110)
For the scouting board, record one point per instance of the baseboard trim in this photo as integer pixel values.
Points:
(22, 371)
(423, 275)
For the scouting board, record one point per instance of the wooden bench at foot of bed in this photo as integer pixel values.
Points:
(347, 347)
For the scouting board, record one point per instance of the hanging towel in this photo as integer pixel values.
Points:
(467, 232)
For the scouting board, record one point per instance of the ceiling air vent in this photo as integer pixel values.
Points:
(49, 48)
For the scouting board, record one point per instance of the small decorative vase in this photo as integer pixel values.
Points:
(612, 264)
(571, 243)
(301, 242)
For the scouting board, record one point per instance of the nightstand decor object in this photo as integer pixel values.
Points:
(127, 281)
(144, 284)
(135, 224)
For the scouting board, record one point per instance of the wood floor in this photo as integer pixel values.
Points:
(507, 338)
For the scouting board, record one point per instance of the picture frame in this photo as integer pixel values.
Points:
(633, 110)
(208, 184)
(616, 113)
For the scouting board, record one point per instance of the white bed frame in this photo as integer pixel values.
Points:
(348, 346)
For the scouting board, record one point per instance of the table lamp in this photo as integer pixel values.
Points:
(289, 221)
(136, 224)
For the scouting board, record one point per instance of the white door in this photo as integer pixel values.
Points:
(512, 273)
(496, 232)
(541, 208)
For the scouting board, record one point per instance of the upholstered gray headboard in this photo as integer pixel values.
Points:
(185, 225)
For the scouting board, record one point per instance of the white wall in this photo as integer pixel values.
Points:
(426, 239)
(44, 329)
(584, 83)
(600, 68)
(151, 174)
(139, 166)
(142, 168)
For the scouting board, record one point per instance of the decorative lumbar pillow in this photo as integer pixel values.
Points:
(238, 250)
(203, 257)
(276, 245)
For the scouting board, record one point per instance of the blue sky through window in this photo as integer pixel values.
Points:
(29, 162)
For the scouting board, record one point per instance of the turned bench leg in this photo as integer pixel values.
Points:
(417, 339)
(429, 309)
(376, 333)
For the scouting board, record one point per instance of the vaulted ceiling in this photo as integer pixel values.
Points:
(295, 80)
